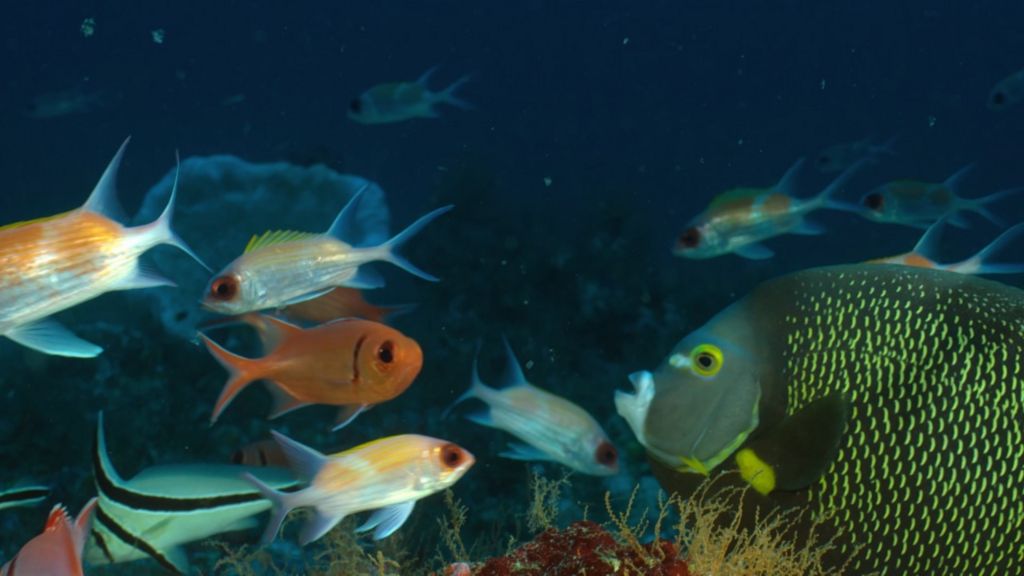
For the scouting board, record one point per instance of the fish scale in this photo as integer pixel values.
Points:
(844, 332)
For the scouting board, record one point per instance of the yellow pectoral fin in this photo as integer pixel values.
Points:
(756, 472)
(693, 465)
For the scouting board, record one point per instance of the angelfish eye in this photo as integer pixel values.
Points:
(689, 239)
(386, 352)
(706, 360)
(224, 288)
(606, 454)
(452, 456)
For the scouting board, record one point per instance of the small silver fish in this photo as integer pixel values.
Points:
(400, 101)
(839, 157)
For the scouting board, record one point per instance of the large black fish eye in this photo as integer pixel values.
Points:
(356, 105)
(874, 201)
(386, 352)
(689, 239)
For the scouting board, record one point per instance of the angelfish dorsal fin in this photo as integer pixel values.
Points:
(272, 237)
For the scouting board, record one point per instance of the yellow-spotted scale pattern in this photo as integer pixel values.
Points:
(929, 476)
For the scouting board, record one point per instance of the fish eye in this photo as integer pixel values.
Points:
(999, 98)
(706, 360)
(874, 201)
(356, 105)
(689, 239)
(606, 454)
(386, 352)
(452, 456)
(224, 288)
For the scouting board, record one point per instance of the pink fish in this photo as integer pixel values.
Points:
(58, 550)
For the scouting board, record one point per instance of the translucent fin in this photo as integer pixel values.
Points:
(517, 451)
(476, 386)
(448, 95)
(346, 223)
(143, 278)
(980, 205)
(807, 228)
(161, 229)
(824, 199)
(754, 252)
(481, 418)
(928, 245)
(103, 199)
(958, 220)
(272, 237)
(385, 521)
(347, 414)
(424, 79)
(282, 402)
(306, 297)
(391, 247)
(272, 330)
(282, 504)
(318, 525)
(981, 262)
(513, 375)
(49, 337)
(365, 279)
(241, 372)
(305, 462)
(955, 180)
(787, 184)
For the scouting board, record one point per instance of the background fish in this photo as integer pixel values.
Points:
(341, 303)
(982, 262)
(550, 427)
(887, 395)
(58, 550)
(839, 157)
(1007, 92)
(400, 101)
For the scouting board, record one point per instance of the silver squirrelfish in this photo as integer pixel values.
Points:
(551, 427)
(283, 268)
(400, 101)
(53, 263)
(738, 220)
(387, 475)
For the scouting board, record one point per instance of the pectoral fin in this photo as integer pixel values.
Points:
(795, 453)
(49, 337)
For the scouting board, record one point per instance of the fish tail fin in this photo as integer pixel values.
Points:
(241, 372)
(887, 148)
(449, 96)
(282, 503)
(981, 263)
(391, 247)
(477, 388)
(824, 199)
(161, 230)
(980, 205)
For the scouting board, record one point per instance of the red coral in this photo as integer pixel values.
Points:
(585, 548)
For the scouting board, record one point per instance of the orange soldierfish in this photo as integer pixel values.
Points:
(58, 550)
(282, 268)
(349, 362)
(340, 303)
(53, 263)
(922, 256)
(387, 475)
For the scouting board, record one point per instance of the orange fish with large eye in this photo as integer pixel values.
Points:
(350, 363)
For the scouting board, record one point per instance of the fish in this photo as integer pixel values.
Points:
(162, 508)
(888, 398)
(341, 303)
(388, 475)
(260, 453)
(839, 157)
(23, 496)
(58, 550)
(65, 103)
(921, 204)
(1007, 93)
(283, 268)
(351, 363)
(738, 220)
(550, 427)
(922, 255)
(56, 262)
(401, 101)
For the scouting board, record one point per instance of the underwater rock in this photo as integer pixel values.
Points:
(224, 200)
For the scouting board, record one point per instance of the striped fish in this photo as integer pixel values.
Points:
(162, 508)
(53, 263)
(889, 396)
(23, 496)
(282, 268)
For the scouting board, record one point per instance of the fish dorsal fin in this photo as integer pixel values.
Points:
(58, 519)
(424, 78)
(513, 375)
(954, 181)
(272, 237)
(305, 462)
(735, 195)
(346, 222)
(928, 245)
(103, 199)
(787, 184)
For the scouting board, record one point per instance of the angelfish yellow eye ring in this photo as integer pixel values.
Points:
(706, 360)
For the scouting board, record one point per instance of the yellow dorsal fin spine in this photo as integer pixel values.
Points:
(271, 237)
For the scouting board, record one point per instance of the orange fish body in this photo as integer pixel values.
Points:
(338, 303)
(349, 362)
(53, 263)
(58, 550)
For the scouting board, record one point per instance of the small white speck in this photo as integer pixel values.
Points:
(529, 364)
(157, 35)
(822, 84)
(625, 40)
(547, 181)
(931, 121)
(88, 27)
